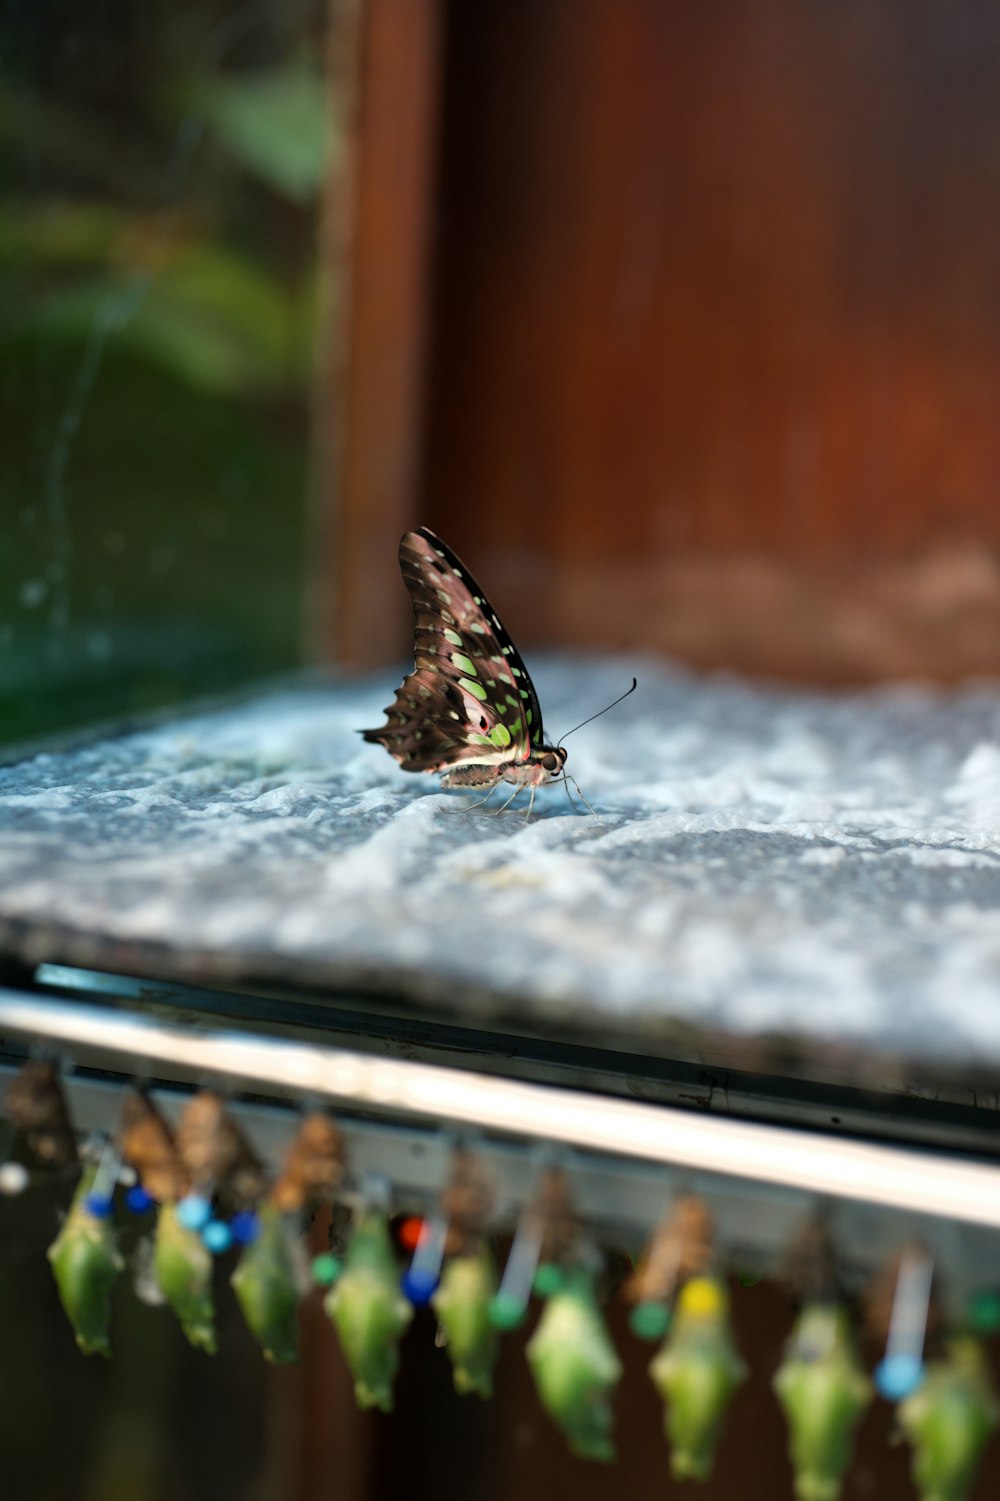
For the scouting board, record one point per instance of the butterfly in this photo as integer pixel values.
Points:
(468, 709)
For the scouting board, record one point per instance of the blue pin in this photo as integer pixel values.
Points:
(245, 1226)
(896, 1376)
(510, 1302)
(217, 1237)
(194, 1211)
(419, 1282)
(139, 1200)
(100, 1200)
(901, 1370)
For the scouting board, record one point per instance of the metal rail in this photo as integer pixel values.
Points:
(898, 1178)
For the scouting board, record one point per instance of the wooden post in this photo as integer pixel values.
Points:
(377, 234)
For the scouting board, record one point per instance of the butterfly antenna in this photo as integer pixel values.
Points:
(597, 716)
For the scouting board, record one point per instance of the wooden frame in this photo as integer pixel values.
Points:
(682, 328)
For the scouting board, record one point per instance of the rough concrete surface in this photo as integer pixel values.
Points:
(824, 868)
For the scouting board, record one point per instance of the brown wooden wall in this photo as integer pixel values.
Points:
(713, 330)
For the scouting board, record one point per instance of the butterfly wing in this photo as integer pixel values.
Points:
(469, 699)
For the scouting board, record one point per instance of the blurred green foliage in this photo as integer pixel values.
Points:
(158, 296)
(273, 124)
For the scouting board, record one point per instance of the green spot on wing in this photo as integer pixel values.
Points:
(500, 735)
(453, 637)
(476, 689)
(463, 663)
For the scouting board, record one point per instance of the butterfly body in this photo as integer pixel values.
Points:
(468, 709)
(540, 767)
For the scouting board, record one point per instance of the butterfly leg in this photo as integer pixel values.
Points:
(469, 807)
(531, 804)
(515, 794)
(580, 795)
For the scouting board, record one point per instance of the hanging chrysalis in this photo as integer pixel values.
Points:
(820, 1385)
(680, 1247)
(267, 1281)
(183, 1268)
(86, 1263)
(948, 1420)
(823, 1392)
(696, 1372)
(214, 1151)
(148, 1145)
(462, 1304)
(216, 1160)
(368, 1310)
(35, 1105)
(181, 1264)
(575, 1366)
(266, 1284)
(313, 1166)
(453, 1270)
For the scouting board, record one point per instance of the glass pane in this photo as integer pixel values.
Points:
(159, 285)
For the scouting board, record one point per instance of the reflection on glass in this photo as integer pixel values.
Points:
(158, 279)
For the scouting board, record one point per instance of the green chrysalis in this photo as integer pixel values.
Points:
(267, 1287)
(948, 1420)
(86, 1263)
(369, 1312)
(183, 1269)
(575, 1366)
(823, 1392)
(696, 1372)
(462, 1304)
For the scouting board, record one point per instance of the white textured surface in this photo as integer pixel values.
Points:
(814, 866)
